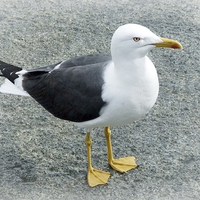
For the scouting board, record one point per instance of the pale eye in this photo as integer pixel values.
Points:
(136, 39)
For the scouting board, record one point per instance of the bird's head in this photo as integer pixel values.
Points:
(136, 41)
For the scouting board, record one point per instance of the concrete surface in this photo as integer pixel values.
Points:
(42, 157)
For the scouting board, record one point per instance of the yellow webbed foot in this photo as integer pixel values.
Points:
(97, 177)
(123, 164)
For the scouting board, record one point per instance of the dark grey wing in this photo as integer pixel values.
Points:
(86, 60)
(70, 93)
(43, 69)
(77, 61)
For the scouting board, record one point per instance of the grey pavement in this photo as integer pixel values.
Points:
(42, 157)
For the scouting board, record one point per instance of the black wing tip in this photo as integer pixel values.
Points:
(9, 71)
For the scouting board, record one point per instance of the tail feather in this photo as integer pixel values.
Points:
(9, 88)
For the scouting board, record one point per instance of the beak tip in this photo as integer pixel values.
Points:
(177, 46)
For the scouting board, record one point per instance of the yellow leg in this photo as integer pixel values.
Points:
(121, 164)
(95, 177)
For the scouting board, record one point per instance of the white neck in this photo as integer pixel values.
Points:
(133, 69)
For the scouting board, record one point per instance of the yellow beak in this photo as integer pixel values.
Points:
(168, 43)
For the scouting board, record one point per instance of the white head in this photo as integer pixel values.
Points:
(135, 41)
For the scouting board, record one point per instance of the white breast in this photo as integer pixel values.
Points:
(129, 95)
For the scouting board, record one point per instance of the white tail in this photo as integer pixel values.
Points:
(10, 88)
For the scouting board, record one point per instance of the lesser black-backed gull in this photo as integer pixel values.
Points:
(100, 90)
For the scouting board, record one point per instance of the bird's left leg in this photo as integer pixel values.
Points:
(95, 177)
(121, 164)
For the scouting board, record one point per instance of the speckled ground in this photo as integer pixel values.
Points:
(42, 157)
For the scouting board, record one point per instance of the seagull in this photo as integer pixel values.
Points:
(99, 90)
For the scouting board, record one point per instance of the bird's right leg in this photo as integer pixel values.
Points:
(95, 177)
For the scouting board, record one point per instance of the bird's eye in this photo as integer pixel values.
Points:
(136, 39)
